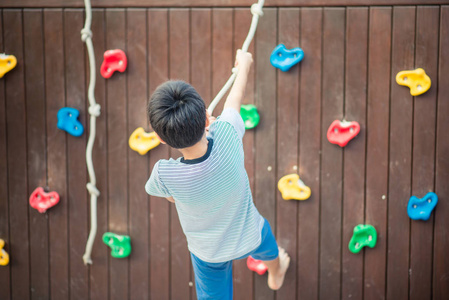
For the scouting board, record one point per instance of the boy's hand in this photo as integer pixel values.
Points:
(243, 60)
(211, 120)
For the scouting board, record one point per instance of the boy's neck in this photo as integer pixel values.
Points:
(196, 151)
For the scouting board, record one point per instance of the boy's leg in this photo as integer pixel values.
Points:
(212, 280)
(274, 257)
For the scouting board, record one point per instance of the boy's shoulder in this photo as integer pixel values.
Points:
(232, 117)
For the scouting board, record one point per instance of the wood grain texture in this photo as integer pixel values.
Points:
(401, 120)
(207, 3)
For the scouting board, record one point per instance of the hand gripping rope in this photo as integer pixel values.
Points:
(256, 10)
(94, 111)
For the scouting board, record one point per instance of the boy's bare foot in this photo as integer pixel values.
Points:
(276, 279)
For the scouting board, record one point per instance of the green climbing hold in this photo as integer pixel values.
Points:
(249, 115)
(120, 244)
(364, 235)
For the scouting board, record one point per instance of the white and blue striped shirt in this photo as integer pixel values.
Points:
(212, 194)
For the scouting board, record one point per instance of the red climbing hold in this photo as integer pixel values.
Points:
(256, 265)
(114, 60)
(42, 201)
(341, 133)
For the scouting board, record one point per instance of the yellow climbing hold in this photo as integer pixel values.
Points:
(291, 187)
(417, 80)
(7, 63)
(143, 142)
(4, 257)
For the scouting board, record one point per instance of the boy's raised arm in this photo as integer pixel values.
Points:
(243, 62)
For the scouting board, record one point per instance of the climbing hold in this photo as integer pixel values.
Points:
(68, 121)
(417, 80)
(364, 235)
(256, 265)
(120, 244)
(249, 115)
(143, 142)
(341, 133)
(420, 209)
(42, 201)
(114, 60)
(4, 257)
(283, 58)
(7, 63)
(291, 187)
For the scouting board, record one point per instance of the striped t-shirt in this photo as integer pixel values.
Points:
(212, 194)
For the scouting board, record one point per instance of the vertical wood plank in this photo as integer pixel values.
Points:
(377, 148)
(441, 243)
(76, 148)
(179, 62)
(159, 207)
(201, 66)
(423, 178)
(354, 152)
(56, 153)
(265, 134)
(100, 253)
(17, 164)
(401, 126)
(5, 271)
(221, 51)
(117, 153)
(331, 163)
(309, 151)
(287, 148)
(138, 165)
(243, 277)
(36, 137)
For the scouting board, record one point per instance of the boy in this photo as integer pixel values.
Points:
(209, 185)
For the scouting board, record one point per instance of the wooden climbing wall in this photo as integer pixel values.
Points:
(352, 55)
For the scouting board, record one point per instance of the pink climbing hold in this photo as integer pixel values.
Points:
(114, 60)
(256, 265)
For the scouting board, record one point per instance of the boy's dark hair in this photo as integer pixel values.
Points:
(177, 114)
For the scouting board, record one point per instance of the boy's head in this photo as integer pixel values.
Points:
(177, 114)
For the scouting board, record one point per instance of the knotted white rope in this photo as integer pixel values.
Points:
(94, 111)
(256, 10)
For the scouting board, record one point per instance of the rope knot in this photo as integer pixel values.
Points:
(256, 9)
(85, 34)
(92, 189)
(94, 110)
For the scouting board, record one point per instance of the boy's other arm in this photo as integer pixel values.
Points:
(243, 61)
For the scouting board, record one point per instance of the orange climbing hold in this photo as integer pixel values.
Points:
(4, 257)
(143, 142)
(417, 80)
(7, 63)
(293, 188)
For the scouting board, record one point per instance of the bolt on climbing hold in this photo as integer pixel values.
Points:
(293, 188)
(68, 121)
(420, 209)
(249, 115)
(417, 80)
(7, 63)
(4, 257)
(256, 265)
(113, 60)
(341, 132)
(143, 142)
(42, 201)
(283, 58)
(120, 244)
(364, 235)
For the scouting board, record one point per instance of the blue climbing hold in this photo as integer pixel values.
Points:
(284, 59)
(420, 209)
(68, 121)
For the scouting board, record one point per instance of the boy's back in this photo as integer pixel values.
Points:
(212, 194)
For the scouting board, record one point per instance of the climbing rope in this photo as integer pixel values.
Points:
(94, 111)
(256, 10)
